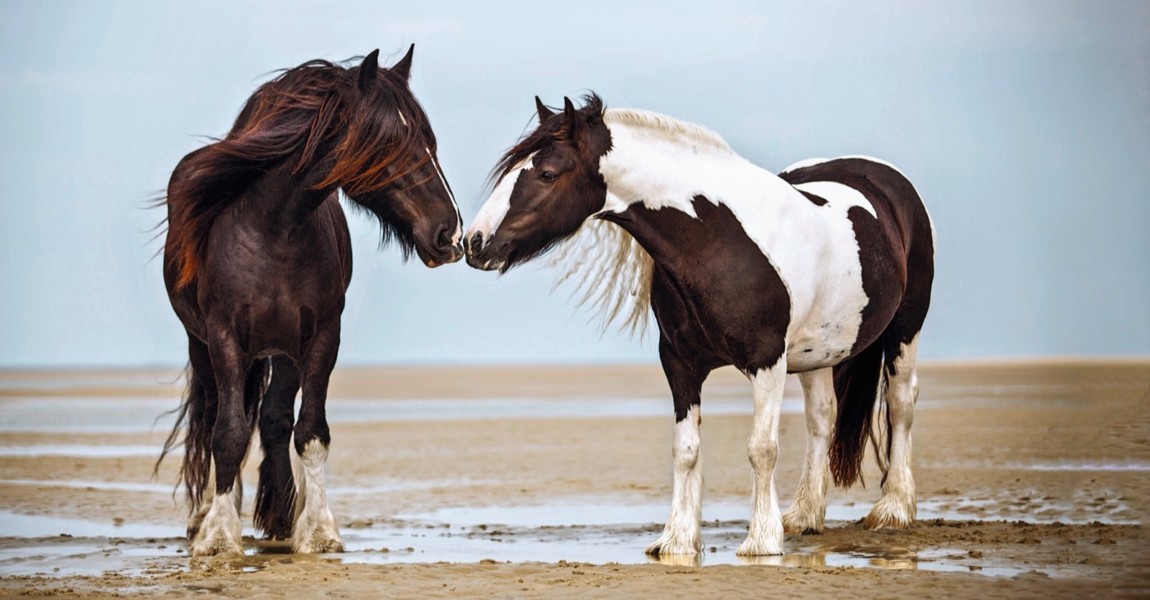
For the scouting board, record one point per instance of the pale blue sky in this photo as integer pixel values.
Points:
(1024, 125)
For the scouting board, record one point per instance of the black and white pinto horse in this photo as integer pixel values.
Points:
(824, 270)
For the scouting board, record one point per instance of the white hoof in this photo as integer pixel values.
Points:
(316, 536)
(802, 518)
(672, 544)
(890, 513)
(219, 532)
(765, 540)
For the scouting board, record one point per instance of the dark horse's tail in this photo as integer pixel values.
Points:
(195, 418)
(857, 385)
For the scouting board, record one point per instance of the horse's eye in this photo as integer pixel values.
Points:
(548, 176)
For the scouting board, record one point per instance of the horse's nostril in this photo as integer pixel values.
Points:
(473, 243)
(443, 238)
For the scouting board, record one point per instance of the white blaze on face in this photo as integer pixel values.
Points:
(455, 236)
(492, 213)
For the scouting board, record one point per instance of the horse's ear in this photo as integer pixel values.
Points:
(368, 69)
(403, 67)
(571, 117)
(544, 112)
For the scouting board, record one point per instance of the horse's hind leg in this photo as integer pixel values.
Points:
(807, 512)
(220, 530)
(896, 507)
(315, 530)
(275, 497)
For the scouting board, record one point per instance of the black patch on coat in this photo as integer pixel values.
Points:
(717, 299)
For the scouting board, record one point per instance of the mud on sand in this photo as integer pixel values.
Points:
(1033, 480)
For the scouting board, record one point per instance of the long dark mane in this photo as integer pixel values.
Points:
(548, 132)
(313, 114)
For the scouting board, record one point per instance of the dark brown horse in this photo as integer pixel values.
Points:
(824, 270)
(257, 262)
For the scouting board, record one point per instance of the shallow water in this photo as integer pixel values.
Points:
(138, 415)
(594, 529)
(586, 530)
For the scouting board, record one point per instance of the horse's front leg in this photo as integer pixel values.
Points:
(315, 530)
(220, 530)
(683, 531)
(765, 535)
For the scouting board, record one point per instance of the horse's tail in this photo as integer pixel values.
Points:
(199, 417)
(859, 383)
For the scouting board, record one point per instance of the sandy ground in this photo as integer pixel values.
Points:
(1033, 480)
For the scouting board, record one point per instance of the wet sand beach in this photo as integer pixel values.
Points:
(1033, 480)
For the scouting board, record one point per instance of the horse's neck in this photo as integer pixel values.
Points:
(649, 173)
(283, 202)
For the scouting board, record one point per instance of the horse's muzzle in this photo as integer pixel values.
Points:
(480, 255)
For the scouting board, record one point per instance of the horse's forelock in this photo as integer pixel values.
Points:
(385, 127)
(553, 130)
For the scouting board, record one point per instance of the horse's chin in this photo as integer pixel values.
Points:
(487, 264)
(439, 258)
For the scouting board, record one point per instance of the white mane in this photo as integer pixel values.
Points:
(610, 271)
(674, 128)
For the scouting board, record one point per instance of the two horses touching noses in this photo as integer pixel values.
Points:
(824, 270)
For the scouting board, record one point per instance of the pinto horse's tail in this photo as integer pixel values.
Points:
(859, 383)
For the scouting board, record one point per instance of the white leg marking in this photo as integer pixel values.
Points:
(220, 530)
(683, 531)
(809, 509)
(315, 530)
(896, 507)
(766, 531)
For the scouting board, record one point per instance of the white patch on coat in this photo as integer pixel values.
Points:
(804, 163)
(812, 247)
(683, 532)
(315, 530)
(809, 508)
(896, 507)
(495, 209)
(765, 533)
(837, 194)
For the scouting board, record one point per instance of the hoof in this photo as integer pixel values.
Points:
(320, 546)
(759, 548)
(794, 522)
(674, 546)
(217, 547)
(889, 515)
(886, 521)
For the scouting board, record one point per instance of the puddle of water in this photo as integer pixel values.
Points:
(84, 451)
(38, 526)
(593, 531)
(126, 486)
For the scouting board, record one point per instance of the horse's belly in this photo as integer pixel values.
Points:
(827, 321)
(824, 345)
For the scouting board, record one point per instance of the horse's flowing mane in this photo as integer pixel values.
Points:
(610, 271)
(671, 127)
(313, 114)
